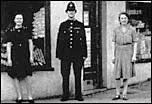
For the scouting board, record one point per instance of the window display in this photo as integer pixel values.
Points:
(140, 14)
(35, 20)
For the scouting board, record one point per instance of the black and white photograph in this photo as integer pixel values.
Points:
(75, 51)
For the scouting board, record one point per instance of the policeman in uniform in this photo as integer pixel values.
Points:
(71, 49)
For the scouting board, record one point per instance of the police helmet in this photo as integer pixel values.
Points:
(71, 7)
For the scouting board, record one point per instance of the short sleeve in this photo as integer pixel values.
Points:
(28, 33)
(114, 36)
(134, 35)
(8, 35)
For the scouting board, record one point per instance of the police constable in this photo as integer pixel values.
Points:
(71, 48)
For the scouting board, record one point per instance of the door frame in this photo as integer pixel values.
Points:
(95, 71)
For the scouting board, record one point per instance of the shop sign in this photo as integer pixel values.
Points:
(134, 12)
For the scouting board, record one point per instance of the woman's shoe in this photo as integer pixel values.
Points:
(19, 100)
(31, 101)
(124, 97)
(116, 97)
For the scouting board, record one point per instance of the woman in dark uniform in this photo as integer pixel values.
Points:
(20, 55)
(125, 45)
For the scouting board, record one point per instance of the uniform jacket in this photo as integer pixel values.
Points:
(71, 40)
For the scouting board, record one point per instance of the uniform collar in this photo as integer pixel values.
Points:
(71, 19)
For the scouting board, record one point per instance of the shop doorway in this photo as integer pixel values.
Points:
(93, 63)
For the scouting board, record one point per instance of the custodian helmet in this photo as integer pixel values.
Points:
(71, 7)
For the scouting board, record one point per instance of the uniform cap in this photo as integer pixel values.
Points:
(70, 7)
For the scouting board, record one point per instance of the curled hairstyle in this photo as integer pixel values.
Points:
(126, 14)
(12, 23)
(18, 13)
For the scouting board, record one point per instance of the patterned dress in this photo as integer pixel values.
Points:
(19, 52)
(124, 42)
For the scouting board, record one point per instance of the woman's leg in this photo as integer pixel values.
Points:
(18, 88)
(125, 81)
(29, 88)
(125, 89)
(118, 84)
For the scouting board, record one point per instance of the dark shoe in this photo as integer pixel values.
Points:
(79, 98)
(31, 101)
(116, 97)
(124, 97)
(19, 100)
(64, 99)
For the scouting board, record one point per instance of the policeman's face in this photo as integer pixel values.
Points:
(18, 19)
(71, 14)
(123, 19)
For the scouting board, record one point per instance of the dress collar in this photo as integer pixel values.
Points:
(127, 28)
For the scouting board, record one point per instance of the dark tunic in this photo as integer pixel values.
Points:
(19, 52)
(71, 41)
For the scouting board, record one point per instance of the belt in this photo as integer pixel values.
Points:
(124, 44)
(18, 45)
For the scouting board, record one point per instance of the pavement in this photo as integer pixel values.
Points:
(137, 93)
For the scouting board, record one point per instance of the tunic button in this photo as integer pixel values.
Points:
(70, 46)
(71, 23)
(70, 30)
(71, 34)
(77, 31)
(71, 38)
(71, 27)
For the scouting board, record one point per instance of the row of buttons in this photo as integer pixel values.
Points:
(71, 27)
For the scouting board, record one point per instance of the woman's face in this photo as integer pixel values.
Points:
(123, 19)
(18, 19)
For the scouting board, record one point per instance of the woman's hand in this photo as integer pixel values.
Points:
(113, 60)
(31, 60)
(9, 63)
(134, 58)
(84, 58)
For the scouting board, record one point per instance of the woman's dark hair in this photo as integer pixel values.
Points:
(18, 13)
(126, 14)
(12, 23)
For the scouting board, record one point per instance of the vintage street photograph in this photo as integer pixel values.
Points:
(75, 51)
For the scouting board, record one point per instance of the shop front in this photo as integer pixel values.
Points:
(40, 17)
(44, 18)
(36, 18)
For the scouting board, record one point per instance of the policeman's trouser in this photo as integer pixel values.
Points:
(65, 71)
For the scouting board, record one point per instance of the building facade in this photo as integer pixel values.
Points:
(99, 18)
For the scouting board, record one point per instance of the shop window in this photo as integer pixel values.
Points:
(36, 18)
(140, 14)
